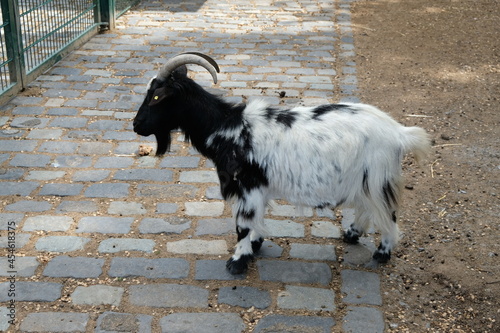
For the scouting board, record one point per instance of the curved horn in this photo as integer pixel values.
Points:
(195, 58)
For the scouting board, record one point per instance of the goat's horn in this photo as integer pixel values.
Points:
(189, 58)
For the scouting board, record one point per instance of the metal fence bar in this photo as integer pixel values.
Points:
(34, 34)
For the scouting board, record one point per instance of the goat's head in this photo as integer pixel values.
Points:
(161, 110)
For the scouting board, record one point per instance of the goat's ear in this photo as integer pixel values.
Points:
(159, 95)
(180, 72)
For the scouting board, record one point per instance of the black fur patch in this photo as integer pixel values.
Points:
(382, 255)
(351, 236)
(323, 109)
(389, 195)
(366, 188)
(257, 244)
(239, 266)
(286, 118)
(242, 232)
(246, 214)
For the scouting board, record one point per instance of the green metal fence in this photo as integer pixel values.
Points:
(34, 34)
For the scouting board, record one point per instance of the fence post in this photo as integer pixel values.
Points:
(13, 41)
(107, 14)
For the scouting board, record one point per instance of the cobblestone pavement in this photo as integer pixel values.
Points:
(108, 241)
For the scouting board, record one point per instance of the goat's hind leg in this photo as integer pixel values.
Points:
(248, 226)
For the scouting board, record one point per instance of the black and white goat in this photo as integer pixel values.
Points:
(324, 156)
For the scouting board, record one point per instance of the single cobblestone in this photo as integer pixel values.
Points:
(246, 297)
(113, 245)
(74, 267)
(306, 298)
(31, 291)
(361, 287)
(294, 272)
(363, 320)
(109, 322)
(162, 295)
(280, 323)
(202, 323)
(97, 295)
(48, 223)
(55, 322)
(61, 243)
(105, 225)
(168, 268)
(198, 246)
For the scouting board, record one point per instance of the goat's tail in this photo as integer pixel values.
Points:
(417, 141)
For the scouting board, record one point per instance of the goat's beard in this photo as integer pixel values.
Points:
(163, 141)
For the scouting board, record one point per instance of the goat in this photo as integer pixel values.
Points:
(333, 155)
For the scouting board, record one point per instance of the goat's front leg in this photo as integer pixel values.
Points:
(249, 213)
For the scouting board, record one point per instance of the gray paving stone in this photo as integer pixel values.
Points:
(46, 134)
(284, 228)
(29, 206)
(199, 177)
(21, 240)
(7, 219)
(105, 225)
(61, 243)
(363, 320)
(180, 162)
(126, 208)
(18, 188)
(17, 146)
(325, 229)
(29, 122)
(31, 291)
(361, 287)
(202, 323)
(92, 148)
(167, 191)
(294, 272)
(214, 270)
(293, 324)
(55, 322)
(163, 295)
(74, 267)
(168, 225)
(204, 208)
(307, 298)
(156, 175)
(11, 174)
(113, 245)
(97, 295)
(44, 175)
(48, 223)
(166, 208)
(198, 246)
(30, 160)
(77, 206)
(5, 313)
(270, 249)
(107, 190)
(90, 175)
(23, 266)
(245, 297)
(313, 252)
(168, 268)
(72, 161)
(215, 227)
(114, 162)
(111, 322)
(61, 189)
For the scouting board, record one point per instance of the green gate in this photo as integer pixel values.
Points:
(34, 34)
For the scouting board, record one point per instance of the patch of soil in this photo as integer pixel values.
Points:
(436, 64)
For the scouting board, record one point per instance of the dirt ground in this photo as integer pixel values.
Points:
(436, 64)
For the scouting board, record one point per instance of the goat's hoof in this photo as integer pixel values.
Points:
(257, 244)
(382, 257)
(239, 266)
(351, 237)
